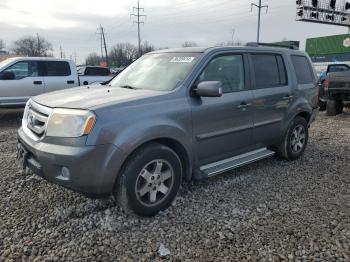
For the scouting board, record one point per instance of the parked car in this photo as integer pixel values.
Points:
(322, 94)
(172, 115)
(89, 73)
(336, 91)
(24, 77)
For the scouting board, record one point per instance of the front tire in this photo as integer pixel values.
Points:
(150, 180)
(295, 140)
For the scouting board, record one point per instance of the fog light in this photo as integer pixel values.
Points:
(65, 174)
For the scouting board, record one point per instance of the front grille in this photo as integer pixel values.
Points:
(35, 120)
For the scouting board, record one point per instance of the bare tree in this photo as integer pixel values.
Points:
(93, 59)
(32, 46)
(147, 47)
(189, 44)
(2, 44)
(230, 43)
(123, 54)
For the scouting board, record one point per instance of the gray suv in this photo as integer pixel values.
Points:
(172, 115)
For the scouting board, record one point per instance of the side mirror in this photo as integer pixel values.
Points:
(209, 89)
(7, 75)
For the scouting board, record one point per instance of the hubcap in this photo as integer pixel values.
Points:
(154, 182)
(297, 139)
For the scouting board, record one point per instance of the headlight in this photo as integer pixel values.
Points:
(70, 123)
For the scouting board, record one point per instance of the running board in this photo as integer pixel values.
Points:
(234, 162)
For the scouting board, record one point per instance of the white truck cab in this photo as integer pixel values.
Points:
(24, 77)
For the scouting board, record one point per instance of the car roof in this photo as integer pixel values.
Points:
(26, 58)
(229, 48)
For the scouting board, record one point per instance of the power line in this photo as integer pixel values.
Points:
(138, 22)
(260, 6)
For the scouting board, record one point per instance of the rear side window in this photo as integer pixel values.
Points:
(269, 70)
(338, 68)
(97, 71)
(57, 68)
(303, 70)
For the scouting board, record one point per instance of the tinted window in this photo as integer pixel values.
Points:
(338, 68)
(282, 70)
(303, 70)
(57, 68)
(97, 71)
(228, 69)
(269, 70)
(24, 69)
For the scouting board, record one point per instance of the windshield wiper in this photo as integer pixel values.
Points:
(129, 87)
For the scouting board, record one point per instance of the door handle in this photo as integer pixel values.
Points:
(244, 105)
(70, 82)
(37, 82)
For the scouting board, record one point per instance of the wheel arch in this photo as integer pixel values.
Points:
(304, 114)
(172, 143)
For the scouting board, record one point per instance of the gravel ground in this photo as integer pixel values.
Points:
(271, 210)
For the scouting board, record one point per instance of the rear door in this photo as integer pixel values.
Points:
(272, 94)
(58, 76)
(222, 126)
(27, 83)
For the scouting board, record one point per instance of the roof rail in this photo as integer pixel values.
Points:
(255, 44)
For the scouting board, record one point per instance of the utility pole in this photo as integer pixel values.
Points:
(39, 46)
(99, 32)
(75, 56)
(233, 34)
(61, 53)
(103, 44)
(138, 22)
(260, 6)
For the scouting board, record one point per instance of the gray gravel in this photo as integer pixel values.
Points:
(271, 210)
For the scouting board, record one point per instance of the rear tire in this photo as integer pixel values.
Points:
(295, 140)
(150, 180)
(334, 107)
(322, 105)
(340, 107)
(331, 108)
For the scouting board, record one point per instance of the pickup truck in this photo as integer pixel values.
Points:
(87, 74)
(323, 97)
(24, 77)
(336, 91)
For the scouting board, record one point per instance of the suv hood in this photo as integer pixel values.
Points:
(88, 97)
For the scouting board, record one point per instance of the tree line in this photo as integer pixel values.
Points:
(119, 55)
(30, 46)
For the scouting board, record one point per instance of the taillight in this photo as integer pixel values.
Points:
(325, 84)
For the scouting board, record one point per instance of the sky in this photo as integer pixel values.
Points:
(73, 24)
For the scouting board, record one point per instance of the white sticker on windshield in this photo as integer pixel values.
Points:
(182, 59)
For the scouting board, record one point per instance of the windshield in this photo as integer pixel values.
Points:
(5, 63)
(160, 72)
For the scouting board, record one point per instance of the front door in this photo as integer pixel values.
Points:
(222, 126)
(26, 83)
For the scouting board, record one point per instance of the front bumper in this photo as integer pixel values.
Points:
(92, 170)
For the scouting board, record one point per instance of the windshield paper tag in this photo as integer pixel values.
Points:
(186, 59)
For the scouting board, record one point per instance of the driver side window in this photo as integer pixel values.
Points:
(229, 69)
(24, 69)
